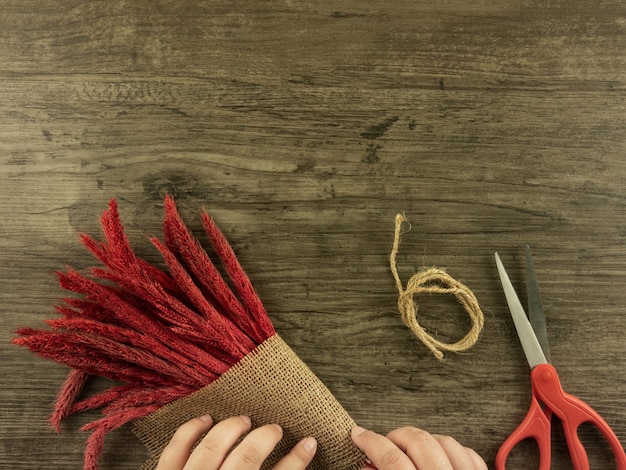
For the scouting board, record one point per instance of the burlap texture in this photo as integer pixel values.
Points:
(271, 385)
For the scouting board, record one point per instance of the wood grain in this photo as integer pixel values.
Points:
(304, 127)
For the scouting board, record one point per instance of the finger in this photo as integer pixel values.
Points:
(299, 457)
(254, 449)
(422, 448)
(457, 454)
(383, 453)
(210, 453)
(479, 463)
(176, 453)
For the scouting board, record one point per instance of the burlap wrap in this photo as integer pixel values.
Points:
(271, 385)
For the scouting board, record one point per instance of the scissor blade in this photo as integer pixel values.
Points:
(530, 344)
(535, 308)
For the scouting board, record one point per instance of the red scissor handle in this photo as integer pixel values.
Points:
(572, 412)
(536, 425)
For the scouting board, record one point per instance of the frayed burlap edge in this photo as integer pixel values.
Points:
(271, 385)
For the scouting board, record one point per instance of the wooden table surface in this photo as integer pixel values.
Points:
(304, 127)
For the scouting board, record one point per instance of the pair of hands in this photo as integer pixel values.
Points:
(402, 449)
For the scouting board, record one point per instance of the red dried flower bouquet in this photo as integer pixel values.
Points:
(180, 343)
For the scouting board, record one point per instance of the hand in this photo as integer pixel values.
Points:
(213, 452)
(411, 449)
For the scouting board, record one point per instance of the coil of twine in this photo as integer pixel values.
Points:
(433, 281)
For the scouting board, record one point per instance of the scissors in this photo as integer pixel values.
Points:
(548, 397)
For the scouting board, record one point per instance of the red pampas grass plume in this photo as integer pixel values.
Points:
(160, 335)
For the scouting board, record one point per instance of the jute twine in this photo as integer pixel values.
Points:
(434, 281)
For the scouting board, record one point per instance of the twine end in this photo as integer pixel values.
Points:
(438, 354)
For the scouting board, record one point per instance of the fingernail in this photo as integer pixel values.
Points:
(205, 418)
(246, 420)
(358, 430)
(309, 444)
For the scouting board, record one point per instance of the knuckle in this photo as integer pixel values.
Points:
(420, 439)
(211, 446)
(479, 463)
(411, 434)
(391, 458)
(249, 455)
(421, 435)
(447, 441)
(302, 455)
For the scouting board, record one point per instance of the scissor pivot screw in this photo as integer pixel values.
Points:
(546, 375)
